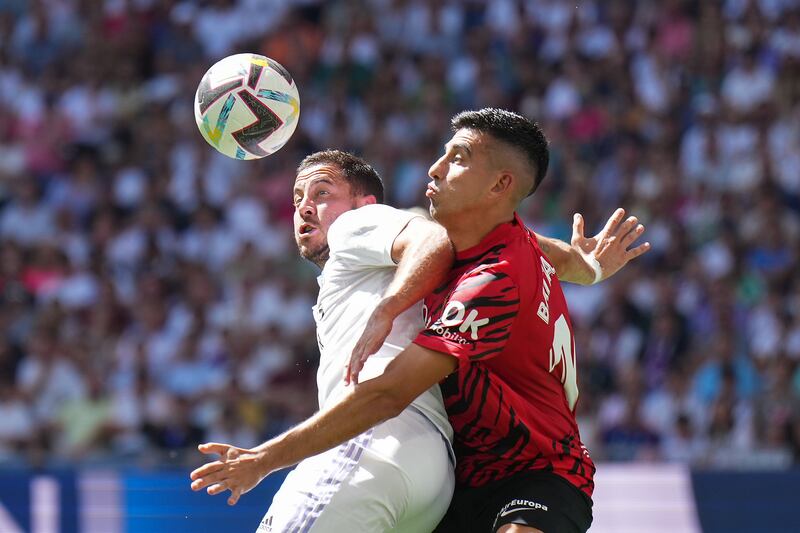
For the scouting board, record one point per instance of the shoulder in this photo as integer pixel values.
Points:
(513, 262)
(368, 218)
(483, 278)
(365, 235)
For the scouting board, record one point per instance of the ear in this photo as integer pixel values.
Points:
(504, 183)
(370, 199)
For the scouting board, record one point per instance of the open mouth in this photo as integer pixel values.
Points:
(306, 229)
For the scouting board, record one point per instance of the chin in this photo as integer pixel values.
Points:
(436, 212)
(317, 254)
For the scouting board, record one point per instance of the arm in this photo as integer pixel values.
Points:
(589, 260)
(410, 374)
(424, 255)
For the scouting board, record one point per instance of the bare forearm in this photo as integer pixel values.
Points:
(569, 264)
(407, 376)
(364, 408)
(425, 262)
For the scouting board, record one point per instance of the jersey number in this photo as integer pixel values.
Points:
(562, 352)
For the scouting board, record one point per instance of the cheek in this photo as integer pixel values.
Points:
(462, 192)
(466, 181)
(327, 214)
(323, 212)
(455, 181)
(333, 210)
(456, 176)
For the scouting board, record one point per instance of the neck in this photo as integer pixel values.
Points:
(470, 231)
(320, 261)
(319, 258)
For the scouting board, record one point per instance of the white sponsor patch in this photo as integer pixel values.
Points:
(455, 314)
(520, 505)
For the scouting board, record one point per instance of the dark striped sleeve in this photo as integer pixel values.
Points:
(475, 322)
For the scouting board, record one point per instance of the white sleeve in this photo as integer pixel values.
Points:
(365, 236)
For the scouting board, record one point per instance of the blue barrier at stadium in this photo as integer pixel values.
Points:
(38, 502)
(748, 501)
(163, 503)
(630, 498)
(123, 502)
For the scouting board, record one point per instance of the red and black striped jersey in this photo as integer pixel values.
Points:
(511, 400)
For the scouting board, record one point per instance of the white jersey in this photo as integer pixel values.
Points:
(397, 476)
(356, 275)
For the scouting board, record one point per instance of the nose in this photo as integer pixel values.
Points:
(305, 207)
(435, 171)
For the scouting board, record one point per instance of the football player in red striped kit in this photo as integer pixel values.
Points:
(500, 329)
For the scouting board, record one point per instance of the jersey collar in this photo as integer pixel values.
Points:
(497, 235)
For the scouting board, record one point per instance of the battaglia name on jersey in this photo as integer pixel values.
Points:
(544, 305)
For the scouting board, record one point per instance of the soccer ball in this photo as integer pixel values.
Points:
(247, 106)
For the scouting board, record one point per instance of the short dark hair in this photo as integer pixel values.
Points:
(363, 179)
(513, 129)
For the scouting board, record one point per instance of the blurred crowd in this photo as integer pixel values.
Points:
(150, 294)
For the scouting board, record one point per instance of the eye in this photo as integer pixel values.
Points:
(457, 158)
(296, 201)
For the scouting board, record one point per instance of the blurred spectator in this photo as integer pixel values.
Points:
(18, 428)
(26, 220)
(682, 443)
(749, 84)
(83, 423)
(48, 379)
(631, 439)
(730, 426)
(723, 367)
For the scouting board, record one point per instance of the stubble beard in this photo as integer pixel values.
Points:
(319, 256)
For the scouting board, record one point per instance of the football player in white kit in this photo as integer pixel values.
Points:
(397, 476)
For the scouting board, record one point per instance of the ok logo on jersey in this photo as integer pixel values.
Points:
(454, 314)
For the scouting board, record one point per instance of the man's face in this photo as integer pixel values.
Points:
(461, 177)
(321, 194)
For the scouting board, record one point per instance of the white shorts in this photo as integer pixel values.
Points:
(397, 476)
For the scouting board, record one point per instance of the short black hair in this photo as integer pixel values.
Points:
(513, 129)
(364, 180)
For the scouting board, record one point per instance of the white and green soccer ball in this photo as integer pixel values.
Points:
(247, 106)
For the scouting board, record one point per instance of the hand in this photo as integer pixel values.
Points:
(377, 329)
(610, 246)
(237, 470)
